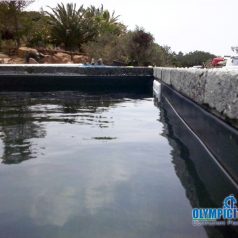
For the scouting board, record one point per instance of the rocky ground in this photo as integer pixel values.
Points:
(43, 56)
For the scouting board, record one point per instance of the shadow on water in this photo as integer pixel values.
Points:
(23, 116)
(204, 183)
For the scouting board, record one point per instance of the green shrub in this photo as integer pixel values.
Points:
(8, 47)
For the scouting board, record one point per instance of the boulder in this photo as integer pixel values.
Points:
(80, 59)
(61, 58)
(22, 51)
(6, 60)
(47, 59)
(16, 60)
(3, 56)
(33, 61)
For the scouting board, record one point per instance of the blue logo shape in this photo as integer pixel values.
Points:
(230, 202)
(227, 215)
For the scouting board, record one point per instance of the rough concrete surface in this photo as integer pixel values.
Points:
(215, 88)
(222, 92)
(74, 69)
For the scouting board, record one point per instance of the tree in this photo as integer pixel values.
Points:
(139, 46)
(130, 48)
(65, 23)
(104, 21)
(6, 23)
(194, 58)
(109, 47)
(11, 12)
(74, 26)
(36, 29)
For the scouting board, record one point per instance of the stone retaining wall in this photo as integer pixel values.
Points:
(216, 89)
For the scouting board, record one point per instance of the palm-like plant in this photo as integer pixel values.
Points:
(66, 25)
(73, 27)
(105, 21)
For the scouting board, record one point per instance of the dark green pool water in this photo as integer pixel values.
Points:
(93, 166)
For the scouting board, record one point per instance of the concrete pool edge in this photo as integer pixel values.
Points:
(213, 89)
(73, 70)
(212, 132)
(74, 77)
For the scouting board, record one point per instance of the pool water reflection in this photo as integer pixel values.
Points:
(78, 165)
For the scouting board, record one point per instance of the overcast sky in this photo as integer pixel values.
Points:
(184, 25)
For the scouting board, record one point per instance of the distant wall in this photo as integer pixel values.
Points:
(75, 77)
(215, 89)
(73, 69)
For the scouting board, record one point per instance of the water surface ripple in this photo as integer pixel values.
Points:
(81, 165)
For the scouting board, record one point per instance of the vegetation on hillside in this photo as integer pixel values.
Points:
(92, 31)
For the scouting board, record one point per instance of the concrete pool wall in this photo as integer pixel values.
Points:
(74, 77)
(73, 70)
(214, 89)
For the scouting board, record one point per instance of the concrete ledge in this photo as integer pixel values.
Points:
(75, 77)
(222, 92)
(216, 89)
(73, 69)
